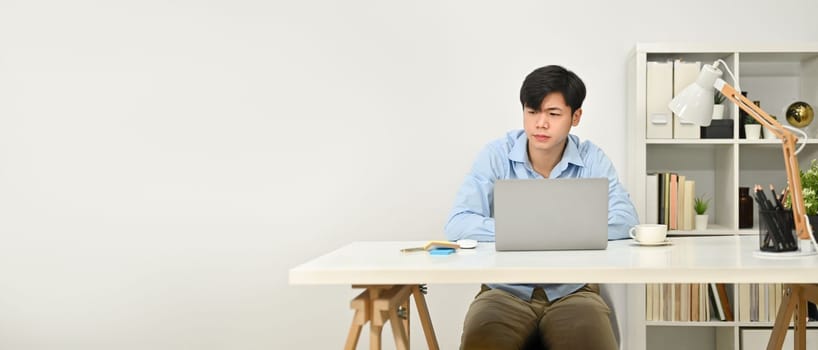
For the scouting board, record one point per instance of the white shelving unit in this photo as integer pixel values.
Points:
(776, 75)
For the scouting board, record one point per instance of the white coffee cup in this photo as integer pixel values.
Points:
(648, 233)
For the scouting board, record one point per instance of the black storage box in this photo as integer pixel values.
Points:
(718, 129)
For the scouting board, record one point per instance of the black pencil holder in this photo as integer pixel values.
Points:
(775, 233)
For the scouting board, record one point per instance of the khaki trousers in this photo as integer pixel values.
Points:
(498, 320)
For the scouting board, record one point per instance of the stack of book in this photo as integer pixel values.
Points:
(758, 302)
(669, 200)
(690, 302)
(687, 302)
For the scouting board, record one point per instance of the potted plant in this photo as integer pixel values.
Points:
(809, 190)
(700, 205)
(718, 105)
(767, 133)
(752, 128)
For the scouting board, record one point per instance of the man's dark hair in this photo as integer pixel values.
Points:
(545, 80)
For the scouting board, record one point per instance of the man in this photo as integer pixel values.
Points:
(557, 316)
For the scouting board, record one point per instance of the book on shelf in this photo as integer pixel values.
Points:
(659, 294)
(649, 302)
(680, 212)
(667, 301)
(743, 302)
(677, 301)
(695, 303)
(717, 302)
(762, 302)
(666, 199)
(728, 308)
(660, 217)
(689, 197)
(753, 302)
(674, 202)
(704, 302)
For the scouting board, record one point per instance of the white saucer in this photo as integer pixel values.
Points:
(665, 242)
(782, 255)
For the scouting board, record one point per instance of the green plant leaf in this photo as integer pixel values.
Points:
(718, 98)
(809, 188)
(700, 205)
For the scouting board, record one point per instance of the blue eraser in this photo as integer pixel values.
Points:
(441, 251)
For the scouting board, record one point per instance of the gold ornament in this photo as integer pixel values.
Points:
(800, 114)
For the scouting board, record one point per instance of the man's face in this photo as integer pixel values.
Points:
(547, 127)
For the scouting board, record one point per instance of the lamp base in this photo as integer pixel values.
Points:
(807, 245)
(784, 255)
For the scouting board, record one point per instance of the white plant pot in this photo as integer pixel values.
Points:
(701, 222)
(767, 133)
(753, 131)
(718, 111)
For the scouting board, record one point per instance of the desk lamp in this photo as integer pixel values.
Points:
(695, 104)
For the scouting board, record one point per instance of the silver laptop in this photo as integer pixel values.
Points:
(551, 214)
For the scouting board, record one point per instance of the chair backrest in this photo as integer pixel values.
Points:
(614, 295)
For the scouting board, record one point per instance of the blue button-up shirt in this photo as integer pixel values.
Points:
(507, 158)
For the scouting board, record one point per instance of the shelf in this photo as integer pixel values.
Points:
(811, 141)
(776, 74)
(772, 142)
(746, 49)
(691, 323)
(812, 324)
(689, 141)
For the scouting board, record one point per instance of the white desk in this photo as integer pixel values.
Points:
(722, 259)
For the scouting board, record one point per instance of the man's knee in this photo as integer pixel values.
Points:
(583, 322)
(497, 320)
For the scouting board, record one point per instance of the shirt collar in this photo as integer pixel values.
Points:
(519, 152)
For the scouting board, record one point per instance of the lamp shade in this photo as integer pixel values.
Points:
(695, 102)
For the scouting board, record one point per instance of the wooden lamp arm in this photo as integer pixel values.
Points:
(790, 159)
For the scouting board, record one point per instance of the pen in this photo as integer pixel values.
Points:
(784, 193)
(778, 205)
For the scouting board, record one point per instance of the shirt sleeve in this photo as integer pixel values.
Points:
(621, 212)
(471, 216)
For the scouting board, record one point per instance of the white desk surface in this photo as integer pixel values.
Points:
(724, 259)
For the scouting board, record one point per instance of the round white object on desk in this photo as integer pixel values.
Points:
(467, 243)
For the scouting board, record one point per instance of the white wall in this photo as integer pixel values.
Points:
(163, 164)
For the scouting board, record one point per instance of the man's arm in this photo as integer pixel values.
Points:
(471, 215)
(621, 212)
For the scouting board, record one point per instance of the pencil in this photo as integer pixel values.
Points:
(778, 205)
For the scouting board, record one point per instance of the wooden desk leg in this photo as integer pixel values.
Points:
(425, 319)
(375, 336)
(794, 301)
(782, 319)
(379, 304)
(405, 318)
(387, 308)
(362, 306)
(398, 332)
(376, 319)
(801, 321)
